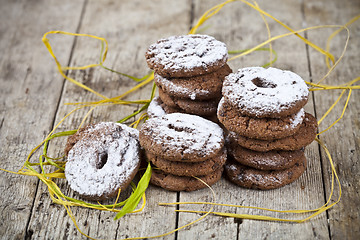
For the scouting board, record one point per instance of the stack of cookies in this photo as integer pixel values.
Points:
(268, 128)
(189, 71)
(181, 147)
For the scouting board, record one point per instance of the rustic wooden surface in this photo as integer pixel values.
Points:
(33, 96)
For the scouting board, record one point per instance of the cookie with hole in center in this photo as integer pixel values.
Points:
(182, 183)
(104, 159)
(248, 177)
(258, 128)
(191, 168)
(198, 107)
(303, 137)
(182, 137)
(186, 55)
(200, 87)
(265, 93)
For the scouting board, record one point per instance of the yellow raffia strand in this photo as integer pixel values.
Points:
(336, 33)
(282, 36)
(60, 68)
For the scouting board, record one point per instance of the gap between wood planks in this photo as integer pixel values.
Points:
(315, 112)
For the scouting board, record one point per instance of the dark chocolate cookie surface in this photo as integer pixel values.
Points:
(265, 180)
(258, 128)
(303, 137)
(182, 183)
(198, 107)
(189, 169)
(271, 160)
(200, 87)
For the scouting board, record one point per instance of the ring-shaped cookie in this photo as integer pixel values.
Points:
(186, 55)
(259, 92)
(101, 163)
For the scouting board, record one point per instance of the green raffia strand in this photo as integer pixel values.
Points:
(146, 105)
(48, 159)
(123, 74)
(135, 113)
(134, 199)
(259, 49)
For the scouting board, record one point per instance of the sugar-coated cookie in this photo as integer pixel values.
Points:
(104, 159)
(186, 55)
(259, 92)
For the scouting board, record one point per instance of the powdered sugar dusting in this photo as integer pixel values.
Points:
(155, 109)
(188, 134)
(171, 87)
(187, 52)
(263, 91)
(297, 119)
(98, 165)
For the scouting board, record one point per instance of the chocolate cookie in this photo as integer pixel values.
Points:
(258, 128)
(259, 92)
(200, 87)
(104, 128)
(303, 137)
(182, 137)
(189, 169)
(271, 160)
(101, 163)
(203, 108)
(177, 183)
(257, 179)
(186, 55)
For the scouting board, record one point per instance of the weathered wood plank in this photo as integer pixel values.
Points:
(27, 77)
(130, 27)
(240, 28)
(343, 139)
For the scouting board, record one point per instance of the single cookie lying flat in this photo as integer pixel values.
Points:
(265, 180)
(258, 128)
(177, 183)
(186, 55)
(259, 92)
(303, 137)
(101, 163)
(182, 137)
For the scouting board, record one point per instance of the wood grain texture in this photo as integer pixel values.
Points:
(26, 77)
(33, 96)
(343, 139)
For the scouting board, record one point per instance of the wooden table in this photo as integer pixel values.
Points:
(33, 95)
